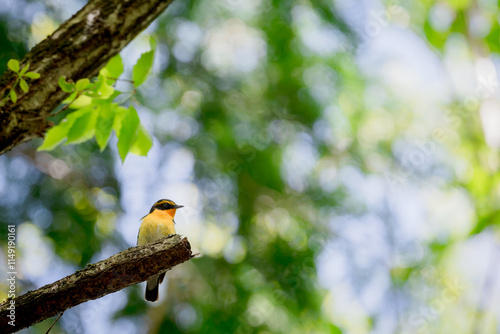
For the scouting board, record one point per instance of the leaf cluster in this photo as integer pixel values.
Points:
(97, 114)
(22, 75)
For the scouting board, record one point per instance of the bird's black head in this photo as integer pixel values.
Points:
(165, 204)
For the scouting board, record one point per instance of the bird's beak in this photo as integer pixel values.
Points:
(178, 206)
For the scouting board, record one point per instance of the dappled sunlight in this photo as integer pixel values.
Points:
(42, 26)
(233, 47)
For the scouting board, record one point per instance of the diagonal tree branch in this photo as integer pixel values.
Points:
(121, 270)
(78, 49)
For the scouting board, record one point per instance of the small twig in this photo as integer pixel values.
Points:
(118, 79)
(134, 99)
(52, 115)
(47, 116)
(126, 98)
(60, 315)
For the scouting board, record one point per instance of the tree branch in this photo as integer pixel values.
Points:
(121, 270)
(78, 49)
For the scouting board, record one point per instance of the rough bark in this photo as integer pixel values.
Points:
(126, 268)
(78, 49)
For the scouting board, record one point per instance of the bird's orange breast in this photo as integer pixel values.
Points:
(156, 225)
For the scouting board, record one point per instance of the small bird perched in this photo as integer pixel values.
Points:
(158, 223)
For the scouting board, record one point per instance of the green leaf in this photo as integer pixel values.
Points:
(119, 114)
(65, 86)
(103, 90)
(152, 43)
(32, 75)
(70, 98)
(114, 68)
(143, 67)
(24, 85)
(13, 65)
(82, 84)
(98, 100)
(83, 126)
(80, 102)
(128, 128)
(143, 142)
(57, 134)
(335, 330)
(13, 96)
(25, 69)
(115, 94)
(104, 124)
(74, 128)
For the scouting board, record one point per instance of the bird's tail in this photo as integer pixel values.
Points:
(152, 287)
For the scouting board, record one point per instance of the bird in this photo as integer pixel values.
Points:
(158, 223)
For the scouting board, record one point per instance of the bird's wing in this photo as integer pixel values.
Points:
(138, 233)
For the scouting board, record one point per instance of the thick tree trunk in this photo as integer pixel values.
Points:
(126, 268)
(78, 49)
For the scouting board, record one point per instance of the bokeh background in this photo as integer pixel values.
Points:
(338, 161)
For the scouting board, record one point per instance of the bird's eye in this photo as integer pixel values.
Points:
(166, 205)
